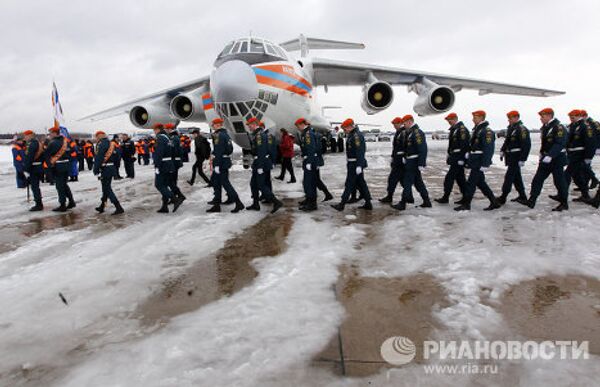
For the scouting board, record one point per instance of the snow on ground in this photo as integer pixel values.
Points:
(267, 333)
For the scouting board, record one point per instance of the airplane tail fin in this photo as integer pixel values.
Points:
(304, 45)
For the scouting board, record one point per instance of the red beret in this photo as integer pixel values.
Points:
(217, 121)
(54, 130)
(98, 133)
(451, 116)
(575, 113)
(301, 120)
(513, 113)
(158, 126)
(347, 122)
(27, 132)
(479, 113)
(397, 120)
(252, 120)
(546, 111)
(583, 112)
(407, 117)
(169, 126)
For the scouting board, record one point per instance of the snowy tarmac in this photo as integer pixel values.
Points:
(253, 299)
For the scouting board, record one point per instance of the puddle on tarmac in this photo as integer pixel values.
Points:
(224, 274)
(554, 308)
(378, 308)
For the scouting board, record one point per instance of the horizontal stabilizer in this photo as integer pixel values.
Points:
(304, 45)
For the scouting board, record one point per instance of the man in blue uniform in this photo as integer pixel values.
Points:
(397, 166)
(33, 169)
(128, 152)
(355, 166)
(104, 165)
(309, 147)
(177, 152)
(222, 150)
(415, 160)
(595, 125)
(18, 153)
(58, 157)
(553, 158)
(458, 146)
(261, 153)
(515, 152)
(479, 158)
(164, 169)
(581, 146)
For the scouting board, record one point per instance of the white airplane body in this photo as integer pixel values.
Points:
(254, 77)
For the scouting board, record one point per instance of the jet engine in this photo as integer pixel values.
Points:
(188, 106)
(377, 96)
(432, 98)
(146, 116)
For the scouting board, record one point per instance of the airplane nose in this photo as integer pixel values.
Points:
(234, 81)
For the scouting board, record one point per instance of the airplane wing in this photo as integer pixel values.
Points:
(341, 73)
(166, 94)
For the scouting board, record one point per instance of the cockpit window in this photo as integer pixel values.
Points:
(244, 47)
(270, 49)
(257, 47)
(280, 52)
(236, 47)
(226, 49)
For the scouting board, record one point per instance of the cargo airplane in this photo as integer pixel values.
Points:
(256, 77)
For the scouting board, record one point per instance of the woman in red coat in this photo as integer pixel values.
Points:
(286, 149)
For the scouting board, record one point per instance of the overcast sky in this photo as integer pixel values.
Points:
(102, 53)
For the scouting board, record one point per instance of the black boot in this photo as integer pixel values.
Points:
(165, 207)
(254, 207)
(276, 205)
(461, 201)
(100, 208)
(594, 183)
(386, 199)
(443, 200)
(584, 198)
(400, 206)
(292, 180)
(213, 202)
(38, 207)
(410, 200)
(561, 207)
(530, 203)
(118, 209)
(501, 200)
(426, 203)
(302, 202)
(61, 208)
(595, 202)
(177, 200)
(71, 204)
(310, 205)
(465, 206)
(215, 208)
(367, 206)
(190, 182)
(519, 198)
(279, 178)
(328, 196)
(339, 207)
(493, 205)
(238, 207)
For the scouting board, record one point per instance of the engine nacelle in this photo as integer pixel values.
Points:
(188, 106)
(376, 97)
(432, 98)
(145, 117)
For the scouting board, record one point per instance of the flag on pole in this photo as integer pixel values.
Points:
(59, 119)
(58, 112)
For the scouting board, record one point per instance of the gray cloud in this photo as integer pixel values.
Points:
(102, 53)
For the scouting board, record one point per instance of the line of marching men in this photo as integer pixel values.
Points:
(572, 147)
